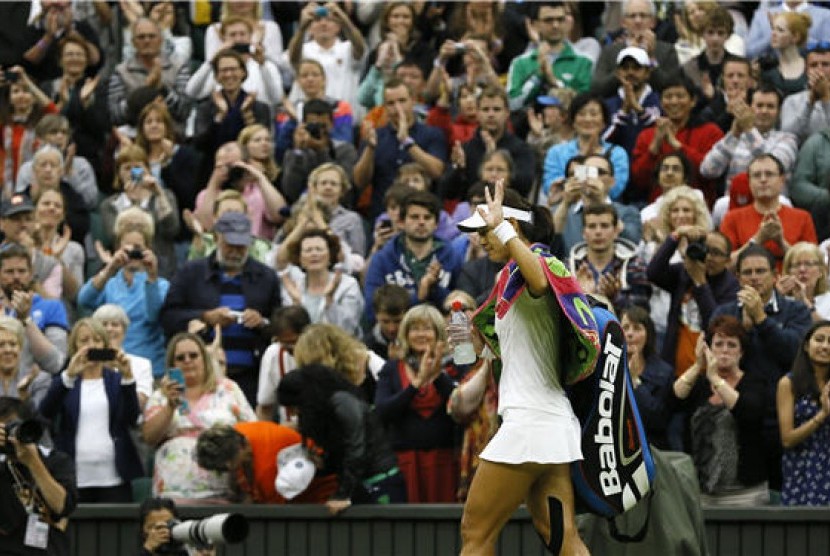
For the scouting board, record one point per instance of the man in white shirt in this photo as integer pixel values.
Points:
(808, 112)
(751, 134)
(278, 359)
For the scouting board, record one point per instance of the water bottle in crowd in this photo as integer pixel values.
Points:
(459, 332)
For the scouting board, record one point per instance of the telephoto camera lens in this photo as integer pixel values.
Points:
(216, 529)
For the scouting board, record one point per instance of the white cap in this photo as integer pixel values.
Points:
(638, 54)
(475, 221)
(294, 471)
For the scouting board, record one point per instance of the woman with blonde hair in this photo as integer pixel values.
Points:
(411, 400)
(93, 403)
(680, 206)
(804, 277)
(258, 149)
(176, 414)
(16, 381)
(330, 345)
(790, 31)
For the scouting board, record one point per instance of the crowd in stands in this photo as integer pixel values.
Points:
(202, 200)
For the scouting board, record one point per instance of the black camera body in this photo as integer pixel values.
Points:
(315, 129)
(241, 47)
(135, 254)
(26, 431)
(235, 173)
(697, 250)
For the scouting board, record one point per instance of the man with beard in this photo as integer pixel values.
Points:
(415, 259)
(44, 320)
(230, 289)
(17, 222)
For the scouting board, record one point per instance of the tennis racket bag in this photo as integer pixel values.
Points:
(617, 470)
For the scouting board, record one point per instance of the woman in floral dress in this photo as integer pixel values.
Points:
(174, 417)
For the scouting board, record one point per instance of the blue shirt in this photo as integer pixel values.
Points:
(142, 302)
(389, 156)
(557, 157)
(45, 313)
(239, 342)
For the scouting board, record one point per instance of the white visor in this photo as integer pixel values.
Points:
(476, 222)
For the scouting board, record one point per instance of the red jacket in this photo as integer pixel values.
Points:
(695, 141)
(460, 130)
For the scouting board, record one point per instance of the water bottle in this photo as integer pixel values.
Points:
(459, 332)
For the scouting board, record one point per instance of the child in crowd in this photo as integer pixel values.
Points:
(389, 304)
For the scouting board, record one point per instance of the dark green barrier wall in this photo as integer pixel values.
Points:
(427, 530)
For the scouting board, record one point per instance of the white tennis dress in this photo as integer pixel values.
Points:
(539, 424)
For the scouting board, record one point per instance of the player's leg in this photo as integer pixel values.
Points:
(497, 490)
(551, 505)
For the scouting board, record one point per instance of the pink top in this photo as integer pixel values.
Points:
(260, 225)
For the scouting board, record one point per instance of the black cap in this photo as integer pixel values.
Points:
(17, 204)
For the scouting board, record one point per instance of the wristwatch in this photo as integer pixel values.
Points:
(407, 143)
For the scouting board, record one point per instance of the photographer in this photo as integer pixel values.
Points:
(231, 173)
(93, 403)
(697, 285)
(136, 186)
(312, 146)
(131, 279)
(589, 180)
(155, 515)
(154, 519)
(47, 481)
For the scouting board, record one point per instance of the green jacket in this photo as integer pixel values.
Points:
(525, 81)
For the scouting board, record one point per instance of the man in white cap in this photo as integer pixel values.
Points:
(639, 18)
(231, 289)
(636, 105)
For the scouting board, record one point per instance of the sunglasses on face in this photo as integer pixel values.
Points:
(187, 356)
